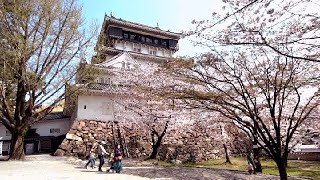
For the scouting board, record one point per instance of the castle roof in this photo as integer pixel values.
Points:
(110, 20)
(121, 57)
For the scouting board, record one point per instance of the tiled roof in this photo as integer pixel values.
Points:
(106, 89)
(125, 23)
(55, 116)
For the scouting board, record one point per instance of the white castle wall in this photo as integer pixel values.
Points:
(43, 127)
(94, 108)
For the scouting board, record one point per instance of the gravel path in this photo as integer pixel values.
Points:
(45, 167)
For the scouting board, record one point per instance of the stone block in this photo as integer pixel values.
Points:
(59, 152)
(93, 122)
(82, 124)
(73, 137)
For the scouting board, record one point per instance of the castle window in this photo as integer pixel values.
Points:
(137, 38)
(126, 35)
(132, 36)
(153, 52)
(137, 49)
(156, 41)
(8, 133)
(173, 43)
(143, 39)
(115, 32)
(55, 130)
(148, 40)
(84, 107)
(164, 43)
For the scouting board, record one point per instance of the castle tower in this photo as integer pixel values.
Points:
(143, 43)
(123, 45)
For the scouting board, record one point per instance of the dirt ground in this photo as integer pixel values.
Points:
(46, 167)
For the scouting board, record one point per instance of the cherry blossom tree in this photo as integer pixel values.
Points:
(260, 72)
(138, 102)
(289, 28)
(269, 99)
(238, 141)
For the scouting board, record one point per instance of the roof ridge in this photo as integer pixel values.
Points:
(139, 24)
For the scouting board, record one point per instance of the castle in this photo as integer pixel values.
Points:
(122, 45)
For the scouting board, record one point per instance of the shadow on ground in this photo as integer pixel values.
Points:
(4, 158)
(148, 170)
(184, 173)
(193, 173)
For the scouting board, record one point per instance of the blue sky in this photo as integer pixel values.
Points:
(173, 15)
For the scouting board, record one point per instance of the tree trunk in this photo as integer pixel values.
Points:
(227, 155)
(154, 151)
(256, 158)
(17, 147)
(282, 169)
(285, 159)
(114, 134)
(155, 148)
(121, 141)
(156, 145)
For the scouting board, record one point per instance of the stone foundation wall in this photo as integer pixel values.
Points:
(304, 156)
(83, 133)
(185, 145)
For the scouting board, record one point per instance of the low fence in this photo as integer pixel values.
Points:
(305, 156)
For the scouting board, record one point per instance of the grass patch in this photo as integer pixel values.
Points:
(309, 169)
(160, 163)
(297, 168)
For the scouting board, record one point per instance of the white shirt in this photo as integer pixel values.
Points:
(101, 150)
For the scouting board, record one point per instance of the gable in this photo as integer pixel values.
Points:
(121, 60)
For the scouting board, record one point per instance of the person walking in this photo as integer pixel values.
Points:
(251, 164)
(117, 159)
(90, 155)
(101, 153)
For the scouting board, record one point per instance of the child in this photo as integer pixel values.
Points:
(91, 160)
(111, 163)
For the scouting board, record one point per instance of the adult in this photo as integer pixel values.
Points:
(117, 159)
(251, 162)
(101, 153)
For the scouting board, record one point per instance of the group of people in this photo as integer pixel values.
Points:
(115, 160)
